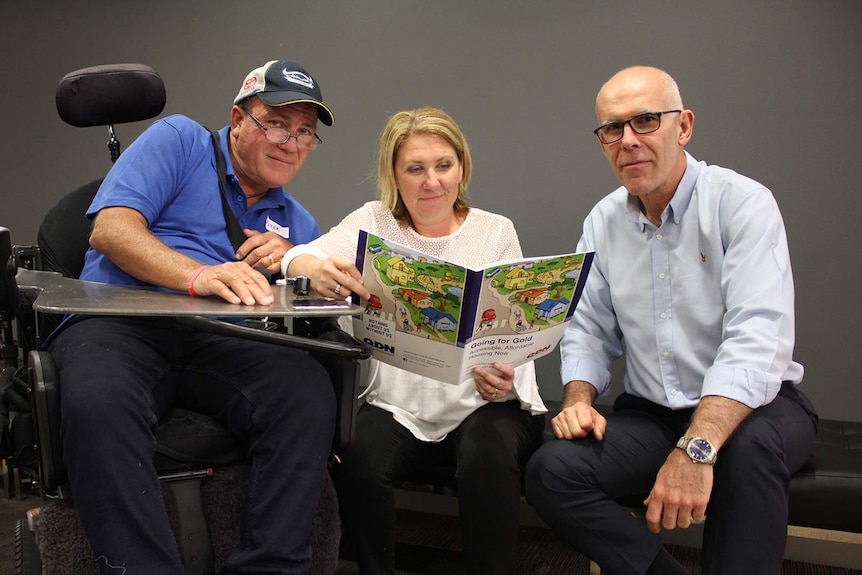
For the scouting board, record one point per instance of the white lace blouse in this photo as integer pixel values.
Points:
(430, 409)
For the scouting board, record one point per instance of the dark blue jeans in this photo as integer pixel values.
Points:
(488, 450)
(573, 484)
(118, 375)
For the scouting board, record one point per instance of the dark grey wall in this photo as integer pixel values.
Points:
(775, 86)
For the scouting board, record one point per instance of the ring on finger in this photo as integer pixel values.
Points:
(337, 289)
(494, 395)
(271, 260)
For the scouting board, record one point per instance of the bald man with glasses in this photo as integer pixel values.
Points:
(692, 284)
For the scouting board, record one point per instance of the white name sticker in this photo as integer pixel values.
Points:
(283, 231)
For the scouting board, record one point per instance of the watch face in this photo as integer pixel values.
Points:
(699, 449)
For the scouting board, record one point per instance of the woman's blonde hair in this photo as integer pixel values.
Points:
(431, 121)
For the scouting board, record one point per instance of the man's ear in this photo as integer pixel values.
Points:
(686, 126)
(237, 115)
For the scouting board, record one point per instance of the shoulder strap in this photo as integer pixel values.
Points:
(234, 231)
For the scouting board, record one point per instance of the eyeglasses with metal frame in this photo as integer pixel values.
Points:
(644, 123)
(305, 139)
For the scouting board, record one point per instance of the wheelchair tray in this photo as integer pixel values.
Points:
(59, 294)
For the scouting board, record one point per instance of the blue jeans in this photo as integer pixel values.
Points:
(119, 375)
(573, 485)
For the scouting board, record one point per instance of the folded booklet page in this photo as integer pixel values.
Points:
(441, 320)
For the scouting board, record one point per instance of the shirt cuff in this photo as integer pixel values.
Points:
(747, 386)
(300, 250)
(583, 369)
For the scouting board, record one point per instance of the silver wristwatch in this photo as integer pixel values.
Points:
(700, 450)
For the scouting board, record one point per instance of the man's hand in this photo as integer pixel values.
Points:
(683, 488)
(122, 234)
(234, 282)
(263, 250)
(579, 420)
(680, 494)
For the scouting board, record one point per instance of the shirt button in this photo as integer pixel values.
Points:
(661, 276)
(663, 315)
(673, 392)
(659, 236)
(666, 354)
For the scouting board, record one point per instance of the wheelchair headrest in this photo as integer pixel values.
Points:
(110, 94)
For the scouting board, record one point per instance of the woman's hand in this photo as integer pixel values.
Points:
(494, 382)
(334, 277)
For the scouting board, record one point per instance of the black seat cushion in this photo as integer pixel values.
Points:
(827, 492)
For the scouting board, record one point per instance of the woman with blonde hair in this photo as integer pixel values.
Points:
(488, 425)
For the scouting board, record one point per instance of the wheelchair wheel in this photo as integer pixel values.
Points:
(27, 560)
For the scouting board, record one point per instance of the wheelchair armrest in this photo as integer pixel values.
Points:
(45, 404)
(317, 326)
(339, 353)
(349, 348)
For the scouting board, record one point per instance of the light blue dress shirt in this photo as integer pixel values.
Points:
(703, 305)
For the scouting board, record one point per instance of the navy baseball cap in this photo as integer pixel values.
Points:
(282, 82)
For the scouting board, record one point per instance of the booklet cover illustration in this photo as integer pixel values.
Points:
(440, 320)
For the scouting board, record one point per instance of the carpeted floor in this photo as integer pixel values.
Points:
(430, 545)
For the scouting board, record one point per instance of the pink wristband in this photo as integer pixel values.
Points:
(193, 278)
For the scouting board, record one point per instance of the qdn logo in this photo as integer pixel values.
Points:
(381, 346)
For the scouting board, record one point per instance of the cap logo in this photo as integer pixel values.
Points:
(298, 78)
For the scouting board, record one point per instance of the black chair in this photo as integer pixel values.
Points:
(189, 445)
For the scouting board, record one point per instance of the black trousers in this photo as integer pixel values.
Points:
(573, 484)
(488, 450)
(118, 375)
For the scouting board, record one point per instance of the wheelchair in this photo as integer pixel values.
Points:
(200, 463)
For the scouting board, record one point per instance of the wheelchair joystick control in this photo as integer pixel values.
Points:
(301, 285)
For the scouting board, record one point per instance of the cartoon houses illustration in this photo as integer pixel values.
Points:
(550, 308)
(558, 275)
(534, 296)
(417, 298)
(517, 278)
(438, 320)
(398, 272)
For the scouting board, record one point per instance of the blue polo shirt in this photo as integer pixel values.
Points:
(169, 175)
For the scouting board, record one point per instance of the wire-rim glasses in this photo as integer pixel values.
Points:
(644, 123)
(305, 139)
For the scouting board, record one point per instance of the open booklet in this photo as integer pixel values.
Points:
(440, 320)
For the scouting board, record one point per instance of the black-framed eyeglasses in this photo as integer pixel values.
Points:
(305, 138)
(644, 123)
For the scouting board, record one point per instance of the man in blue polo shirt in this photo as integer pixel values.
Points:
(158, 220)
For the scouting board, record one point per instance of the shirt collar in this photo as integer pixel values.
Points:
(682, 197)
(678, 203)
(274, 197)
